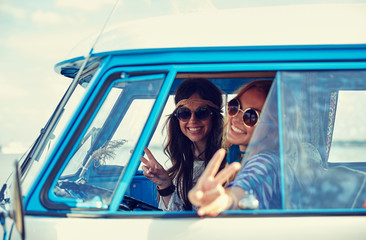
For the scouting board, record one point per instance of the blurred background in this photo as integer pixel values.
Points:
(35, 35)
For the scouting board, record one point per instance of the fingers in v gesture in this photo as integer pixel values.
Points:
(154, 171)
(209, 191)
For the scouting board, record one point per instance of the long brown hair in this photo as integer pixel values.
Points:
(179, 148)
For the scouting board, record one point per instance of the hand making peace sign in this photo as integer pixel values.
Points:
(209, 194)
(154, 171)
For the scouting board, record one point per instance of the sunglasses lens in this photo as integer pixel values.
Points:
(233, 107)
(183, 114)
(202, 113)
(250, 117)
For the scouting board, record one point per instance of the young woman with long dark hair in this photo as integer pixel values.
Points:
(194, 135)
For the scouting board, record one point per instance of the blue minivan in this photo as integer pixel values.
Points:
(82, 178)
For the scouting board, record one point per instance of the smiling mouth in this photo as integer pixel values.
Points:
(237, 130)
(197, 129)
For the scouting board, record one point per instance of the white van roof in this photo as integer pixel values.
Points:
(256, 26)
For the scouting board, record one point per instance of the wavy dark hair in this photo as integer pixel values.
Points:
(179, 148)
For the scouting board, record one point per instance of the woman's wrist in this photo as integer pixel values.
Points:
(230, 203)
(165, 191)
(164, 185)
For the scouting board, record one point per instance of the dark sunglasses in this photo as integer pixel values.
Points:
(250, 115)
(201, 113)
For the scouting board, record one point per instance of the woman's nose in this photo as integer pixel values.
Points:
(193, 117)
(238, 118)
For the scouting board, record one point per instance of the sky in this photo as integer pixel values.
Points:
(37, 34)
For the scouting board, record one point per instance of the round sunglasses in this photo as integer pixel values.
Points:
(201, 113)
(250, 115)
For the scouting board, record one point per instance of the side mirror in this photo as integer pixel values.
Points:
(17, 212)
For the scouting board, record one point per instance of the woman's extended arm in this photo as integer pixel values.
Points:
(209, 195)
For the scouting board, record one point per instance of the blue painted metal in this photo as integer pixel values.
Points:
(313, 53)
(267, 58)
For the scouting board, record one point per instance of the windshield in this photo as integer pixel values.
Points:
(37, 162)
(98, 160)
(57, 123)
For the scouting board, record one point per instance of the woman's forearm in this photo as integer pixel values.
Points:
(235, 194)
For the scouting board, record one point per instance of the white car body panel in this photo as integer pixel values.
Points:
(351, 227)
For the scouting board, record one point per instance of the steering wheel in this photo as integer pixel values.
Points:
(86, 192)
(130, 204)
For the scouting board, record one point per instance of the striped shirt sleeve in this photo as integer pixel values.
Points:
(260, 174)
